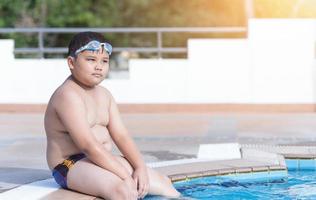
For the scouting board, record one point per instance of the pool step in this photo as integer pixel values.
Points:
(215, 168)
(288, 151)
(221, 159)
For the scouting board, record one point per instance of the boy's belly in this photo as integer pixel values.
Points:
(102, 135)
(62, 146)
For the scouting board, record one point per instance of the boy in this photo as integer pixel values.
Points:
(82, 119)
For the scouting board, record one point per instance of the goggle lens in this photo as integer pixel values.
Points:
(95, 46)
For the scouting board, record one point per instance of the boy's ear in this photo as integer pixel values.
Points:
(70, 61)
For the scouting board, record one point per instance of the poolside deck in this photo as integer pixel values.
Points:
(22, 142)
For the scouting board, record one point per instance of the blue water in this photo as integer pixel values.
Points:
(298, 185)
(299, 182)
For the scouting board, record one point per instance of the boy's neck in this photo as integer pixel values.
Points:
(83, 86)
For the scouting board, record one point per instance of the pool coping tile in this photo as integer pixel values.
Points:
(260, 168)
(243, 170)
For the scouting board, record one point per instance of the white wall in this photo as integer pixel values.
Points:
(28, 80)
(275, 64)
(283, 60)
(152, 81)
(219, 71)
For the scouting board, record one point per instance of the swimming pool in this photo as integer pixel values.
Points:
(299, 182)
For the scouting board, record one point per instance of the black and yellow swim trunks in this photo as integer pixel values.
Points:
(61, 170)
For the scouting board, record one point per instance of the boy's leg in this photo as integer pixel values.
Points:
(88, 178)
(159, 184)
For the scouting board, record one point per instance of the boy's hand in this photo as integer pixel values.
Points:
(132, 186)
(140, 176)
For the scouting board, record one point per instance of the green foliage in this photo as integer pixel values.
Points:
(123, 13)
(9, 12)
(113, 13)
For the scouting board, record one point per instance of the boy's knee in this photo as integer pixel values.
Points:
(120, 191)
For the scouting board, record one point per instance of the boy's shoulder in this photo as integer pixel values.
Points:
(63, 93)
(104, 94)
(103, 90)
(71, 92)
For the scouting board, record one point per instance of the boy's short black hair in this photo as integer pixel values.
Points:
(81, 39)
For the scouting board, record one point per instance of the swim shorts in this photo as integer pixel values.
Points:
(61, 170)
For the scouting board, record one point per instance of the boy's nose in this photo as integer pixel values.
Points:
(98, 67)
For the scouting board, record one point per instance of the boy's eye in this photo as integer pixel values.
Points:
(90, 59)
(105, 61)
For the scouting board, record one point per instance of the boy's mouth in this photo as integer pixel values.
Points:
(97, 75)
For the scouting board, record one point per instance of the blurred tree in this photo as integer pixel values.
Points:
(113, 13)
(139, 13)
(116, 13)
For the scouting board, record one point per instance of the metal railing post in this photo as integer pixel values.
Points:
(40, 44)
(159, 43)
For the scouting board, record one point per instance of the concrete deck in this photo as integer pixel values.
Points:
(22, 141)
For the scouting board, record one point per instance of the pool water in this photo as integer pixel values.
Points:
(298, 185)
(299, 182)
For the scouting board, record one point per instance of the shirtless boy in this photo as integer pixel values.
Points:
(82, 120)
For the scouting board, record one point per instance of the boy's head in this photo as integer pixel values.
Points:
(88, 58)
(80, 40)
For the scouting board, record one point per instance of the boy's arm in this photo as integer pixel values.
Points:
(122, 138)
(71, 110)
(128, 148)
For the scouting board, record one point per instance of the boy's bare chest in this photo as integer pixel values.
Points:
(97, 111)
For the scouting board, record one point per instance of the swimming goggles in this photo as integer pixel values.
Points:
(95, 46)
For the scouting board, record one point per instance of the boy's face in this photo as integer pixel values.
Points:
(90, 67)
